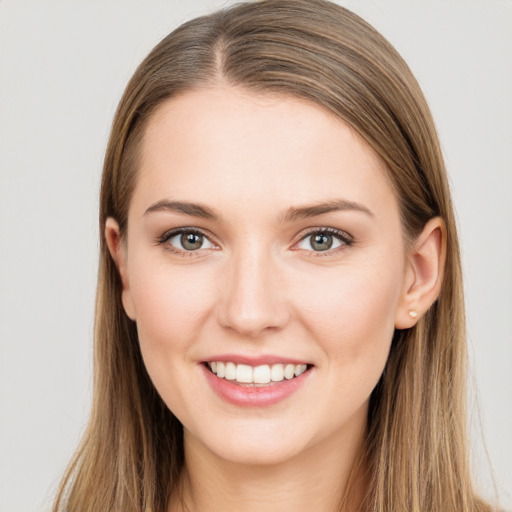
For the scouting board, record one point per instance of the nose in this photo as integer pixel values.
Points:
(253, 295)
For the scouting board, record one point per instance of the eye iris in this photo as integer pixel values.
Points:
(191, 241)
(321, 242)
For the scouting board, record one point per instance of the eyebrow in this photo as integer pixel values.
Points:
(192, 209)
(293, 213)
(305, 212)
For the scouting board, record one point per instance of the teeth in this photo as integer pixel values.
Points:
(243, 373)
(262, 374)
(289, 371)
(230, 373)
(277, 372)
(300, 368)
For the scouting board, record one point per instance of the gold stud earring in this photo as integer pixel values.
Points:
(413, 313)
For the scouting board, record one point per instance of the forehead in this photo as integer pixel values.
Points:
(219, 144)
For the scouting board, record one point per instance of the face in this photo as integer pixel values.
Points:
(265, 267)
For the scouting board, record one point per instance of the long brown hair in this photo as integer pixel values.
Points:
(416, 446)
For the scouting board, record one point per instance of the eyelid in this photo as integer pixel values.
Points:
(165, 237)
(345, 238)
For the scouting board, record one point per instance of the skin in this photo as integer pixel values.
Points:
(257, 287)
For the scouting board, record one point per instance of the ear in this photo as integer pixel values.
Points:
(117, 249)
(423, 275)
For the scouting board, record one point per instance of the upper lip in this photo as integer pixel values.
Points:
(254, 360)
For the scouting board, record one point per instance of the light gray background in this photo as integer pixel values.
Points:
(63, 66)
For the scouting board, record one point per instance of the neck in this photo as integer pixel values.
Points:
(316, 479)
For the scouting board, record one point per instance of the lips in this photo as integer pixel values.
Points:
(255, 382)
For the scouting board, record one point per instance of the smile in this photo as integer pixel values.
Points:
(256, 375)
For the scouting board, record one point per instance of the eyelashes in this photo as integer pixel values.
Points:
(324, 240)
(186, 241)
(191, 241)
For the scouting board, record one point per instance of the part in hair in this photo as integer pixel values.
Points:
(415, 452)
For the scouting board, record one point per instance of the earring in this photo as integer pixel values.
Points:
(413, 313)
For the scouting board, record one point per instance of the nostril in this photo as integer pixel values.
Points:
(252, 300)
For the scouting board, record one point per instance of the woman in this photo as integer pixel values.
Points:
(280, 316)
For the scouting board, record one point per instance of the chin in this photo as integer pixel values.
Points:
(262, 455)
(265, 447)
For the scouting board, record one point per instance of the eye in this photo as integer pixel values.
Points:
(323, 240)
(187, 240)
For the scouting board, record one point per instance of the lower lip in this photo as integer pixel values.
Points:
(248, 396)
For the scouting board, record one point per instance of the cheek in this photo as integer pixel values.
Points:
(170, 304)
(353, 316)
